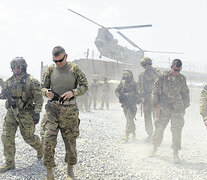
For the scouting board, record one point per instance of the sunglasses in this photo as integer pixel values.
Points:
(60, 60)
(176, 70)
(16, 67)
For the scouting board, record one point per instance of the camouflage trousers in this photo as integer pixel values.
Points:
(130, 116)
(148, 110)
(42, 126)
(177, 123)
(105, 99)
(9, 130)
(65, 119)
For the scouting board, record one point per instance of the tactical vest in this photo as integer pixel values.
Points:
(20, 90)
(148, 79)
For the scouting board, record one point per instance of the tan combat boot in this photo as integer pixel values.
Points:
(50, 174)
(40, 153)
(176, 158)
(126, 137)
(70, 173)
(6, 167)
(152, 151)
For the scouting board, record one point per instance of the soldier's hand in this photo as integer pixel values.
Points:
(49, 94)
(205, 122)
(36, 117)
(68, 95)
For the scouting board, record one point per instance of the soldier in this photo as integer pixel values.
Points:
(203, 104)
(170, 99)
(128, 97)
(24, 104)
(62, 83)
(145, 85)
(93, 93)
(105, 93)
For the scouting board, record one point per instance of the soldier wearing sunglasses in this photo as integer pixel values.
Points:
(62, 83)
(170, 99)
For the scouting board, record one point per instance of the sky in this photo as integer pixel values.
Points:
(31, 28)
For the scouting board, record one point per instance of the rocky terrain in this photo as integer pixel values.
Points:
(102, 154)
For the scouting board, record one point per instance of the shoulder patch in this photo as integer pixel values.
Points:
(37, 84)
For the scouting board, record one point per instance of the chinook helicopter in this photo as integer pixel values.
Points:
(109, 47)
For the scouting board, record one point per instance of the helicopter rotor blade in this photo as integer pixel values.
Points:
(128, 40)
(86, 18)
(130, 27)
(164, 52)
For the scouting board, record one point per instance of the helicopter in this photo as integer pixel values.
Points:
(108, 46)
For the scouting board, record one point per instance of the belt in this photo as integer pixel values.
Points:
(66, 103)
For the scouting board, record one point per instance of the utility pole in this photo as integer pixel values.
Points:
(41, 71)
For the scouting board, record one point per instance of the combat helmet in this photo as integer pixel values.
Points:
(127, 74)
(146, 61)
(18, 61)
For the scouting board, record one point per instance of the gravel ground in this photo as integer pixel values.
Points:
(102, 154)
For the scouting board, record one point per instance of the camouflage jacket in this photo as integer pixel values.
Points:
(25, 91)
(171, 92)
(81, 84)
(127, 93)
(203, 103)
(146, 81)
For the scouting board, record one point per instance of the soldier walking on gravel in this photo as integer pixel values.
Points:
(93, 93)
(128, 97)
(170, 99)
(24, 103)
(145, 85)
(62, 83)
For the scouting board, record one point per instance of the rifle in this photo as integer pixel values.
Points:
(126, 101)
(12, 102)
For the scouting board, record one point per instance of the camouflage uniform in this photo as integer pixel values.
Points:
(27, 93)
(145, 85)
(172, 95)
(128, 97)
(42, 126)
(93, 93)
(63, 117)
(203, 103)
(105, 94)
